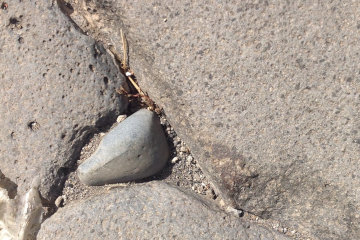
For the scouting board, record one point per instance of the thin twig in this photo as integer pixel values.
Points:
(129, 74)
(125, 50)
(135, 85)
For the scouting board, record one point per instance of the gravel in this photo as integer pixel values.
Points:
(181, 170)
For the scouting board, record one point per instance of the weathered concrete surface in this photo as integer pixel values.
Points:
(265, 93)
(150, 211)
(57, 86)
(133, 150)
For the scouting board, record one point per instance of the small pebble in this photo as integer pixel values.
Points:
(183, 149)
(175, 160)
(235, 212)
(162, 121)
(59, 201)
(189, 159)
(276, 225)
(121, 118)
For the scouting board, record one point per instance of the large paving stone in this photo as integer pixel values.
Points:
(149, 211)
(265, 93)
(57, 87)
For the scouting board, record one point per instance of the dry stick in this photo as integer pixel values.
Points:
(124, 62)
(128, 73)
(125, 51)
(136, 86)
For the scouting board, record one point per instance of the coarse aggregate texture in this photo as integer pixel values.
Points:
(185, 174)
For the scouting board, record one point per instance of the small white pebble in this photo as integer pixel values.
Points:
(128, 74)
(276, 225)
(121, 118)
(183, 149)
(59, 201)
(234, 211)
(102, 134)
(175, 160)
(189, 159)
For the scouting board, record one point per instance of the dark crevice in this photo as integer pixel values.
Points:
(9, 185)
(84, 136)
(80, 137)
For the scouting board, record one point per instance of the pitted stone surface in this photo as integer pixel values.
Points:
(150, 211)
(265, 93)
(57, 87)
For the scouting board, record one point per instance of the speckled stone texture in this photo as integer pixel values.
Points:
(57, 87)
(149, 211)
(266, 94)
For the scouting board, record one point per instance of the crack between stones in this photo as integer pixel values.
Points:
(138, 103)
(141, 101)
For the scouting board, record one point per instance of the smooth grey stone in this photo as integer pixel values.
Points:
(57, 87)
(136, 148)
(153, 210)
(265, 93)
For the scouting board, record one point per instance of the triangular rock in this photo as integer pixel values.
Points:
(135, 149)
